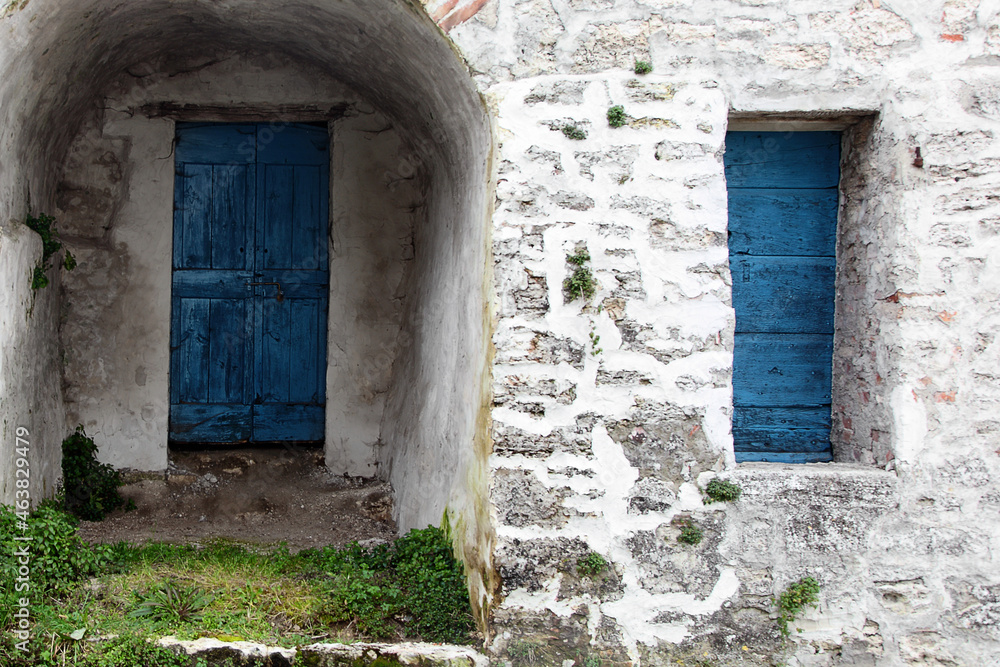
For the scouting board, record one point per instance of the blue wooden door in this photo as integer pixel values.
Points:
(249, 293)
(783, 194)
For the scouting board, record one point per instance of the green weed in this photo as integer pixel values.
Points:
(173, 601)
(690, 534)
(617, 116)
(414, 587)
(796, 597)
(90, 488)
(581, 282)
(721, 491)
(591, 565)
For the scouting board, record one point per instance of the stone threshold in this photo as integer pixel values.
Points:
(251, 654)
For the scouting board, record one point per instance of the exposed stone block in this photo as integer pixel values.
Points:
(557, 92)
(606, 45)
(668, 566)
(522, 500)
(622, 378)
(651, 495)
(518, 386)
(616, 163)
(508, 441)
(663, 440)
(529, 564)
(646, 91)
(526, 345)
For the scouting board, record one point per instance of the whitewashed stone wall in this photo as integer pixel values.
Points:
(604, 448)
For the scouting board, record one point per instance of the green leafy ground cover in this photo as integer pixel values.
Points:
(410, 589)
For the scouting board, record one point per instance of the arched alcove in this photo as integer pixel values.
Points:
(92, 81)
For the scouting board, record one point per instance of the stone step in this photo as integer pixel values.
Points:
(251, 654)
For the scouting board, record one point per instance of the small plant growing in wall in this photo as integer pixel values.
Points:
(690, 534)
(643, 67)
(591, 565)
(721, 491)
(799, 595)
(595, 341)
(43, 225)
(616, 116)
(522, 653)
(574, 132)
(581, 282)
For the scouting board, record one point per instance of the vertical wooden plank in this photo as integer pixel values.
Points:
(304, 354)
(279, 200)
(194, 350)
(277, 348)
(226, 347)
(196, 217)
(176, 355)
(256, 362)
(229, 197)
(177, 251)
(305, 247)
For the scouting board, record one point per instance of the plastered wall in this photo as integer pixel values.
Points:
(89, 95)
(115, 204)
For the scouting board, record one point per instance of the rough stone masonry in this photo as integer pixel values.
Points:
(589, 425)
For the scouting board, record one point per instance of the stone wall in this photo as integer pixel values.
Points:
(612, 414)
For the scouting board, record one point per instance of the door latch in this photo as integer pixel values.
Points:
(279, 297)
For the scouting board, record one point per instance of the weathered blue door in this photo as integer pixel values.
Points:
(249, 294)
(783, 193)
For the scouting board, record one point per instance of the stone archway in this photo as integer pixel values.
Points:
(94, 81)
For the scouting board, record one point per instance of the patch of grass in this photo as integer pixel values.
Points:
(616, 116)
(643, 67)
(796, 597)
(574, 132)
(411, 589)
(721, 491)
(591, 565)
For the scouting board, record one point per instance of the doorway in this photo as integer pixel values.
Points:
(250, 282)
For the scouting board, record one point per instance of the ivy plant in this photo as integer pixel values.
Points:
(43, 225)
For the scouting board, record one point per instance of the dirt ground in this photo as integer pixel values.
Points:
(262, 496)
